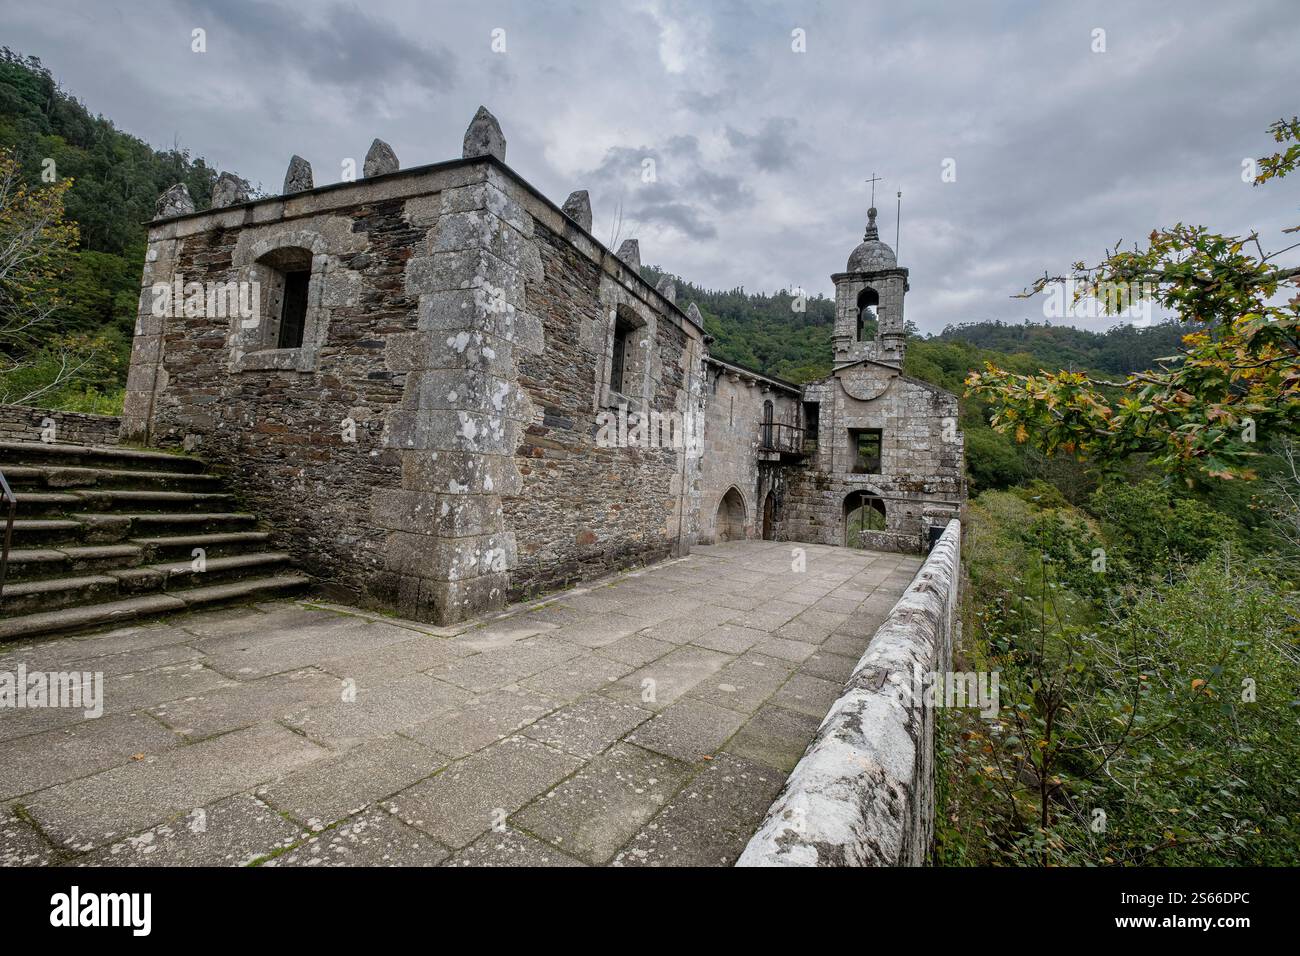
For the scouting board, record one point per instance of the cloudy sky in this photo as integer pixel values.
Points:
(760, 151)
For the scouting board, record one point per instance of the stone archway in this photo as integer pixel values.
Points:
(731, 517)
(863, 511)
(769, 517)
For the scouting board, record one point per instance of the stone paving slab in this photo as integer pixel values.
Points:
(587, 727)
(481, 721)
(21, 844)
(231, 832)
(130, 797)
(578, 676)
(745, 683)
(659, 683)
(492, 670)
(375, 665)
(648, 719)
(689, 730)
(79, 750)
(806, 694)
(828, 666)
(340, 786)
(709, 822)
(475, 794)
(509, 847)
(378, 711)
(597, 810)
(234, 706)
(373, 838)
(775, 736)
(253, 654)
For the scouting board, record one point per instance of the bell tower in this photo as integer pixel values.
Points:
(871, 289)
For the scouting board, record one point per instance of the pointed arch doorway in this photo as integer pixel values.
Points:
(730, 521)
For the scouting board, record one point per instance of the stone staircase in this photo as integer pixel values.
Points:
(110, 534)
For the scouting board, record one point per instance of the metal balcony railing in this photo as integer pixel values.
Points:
(780, 437)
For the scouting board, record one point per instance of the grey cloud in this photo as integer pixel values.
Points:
(775, 146)
(760, 152)
(340, 45)
(685, 217)
(687, 194)
(709, 104)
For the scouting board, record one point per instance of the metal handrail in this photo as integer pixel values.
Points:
(7, 495)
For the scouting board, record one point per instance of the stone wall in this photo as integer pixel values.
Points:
(20, 423)
(863, 793)
(733, 413)
(921, 465)
(584, 507)
(430, 447)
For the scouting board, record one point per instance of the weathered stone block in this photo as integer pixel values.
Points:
(578, 208)
(459, 473)
(380, 159)
(297, 178)
(484, 137)
(175, 201)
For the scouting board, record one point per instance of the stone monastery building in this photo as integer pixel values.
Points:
(413, 405)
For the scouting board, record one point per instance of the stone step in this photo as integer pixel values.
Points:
(48, 594)
(181, 547)
(36, 563)
(87, 616)
(96, 528)
(41, 504)
(99, 456)
(32, 504)
(173, 575)
(37, 531)
(107, 534)
(58, 478)
(30, 597)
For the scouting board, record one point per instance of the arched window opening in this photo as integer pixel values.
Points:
(868, 306)
(863, 511)
(767, 424)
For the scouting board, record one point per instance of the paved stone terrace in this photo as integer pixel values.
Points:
(648, 720)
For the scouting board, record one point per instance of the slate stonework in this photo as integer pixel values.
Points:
(459, 329)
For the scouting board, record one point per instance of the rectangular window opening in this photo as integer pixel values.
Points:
(293, 312)
(866, 444)
(623, 331)
(811, 416)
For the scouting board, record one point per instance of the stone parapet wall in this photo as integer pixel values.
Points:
(863, 793)
(21, 423)
(892, 541)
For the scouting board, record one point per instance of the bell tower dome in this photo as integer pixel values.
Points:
(871, 289)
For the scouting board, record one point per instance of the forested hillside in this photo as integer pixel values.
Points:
(765, 332)
(116, 178)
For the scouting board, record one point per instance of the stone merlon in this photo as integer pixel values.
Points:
(297, 178)
(175, 201)
(380, 159)
(484, 137)
(630, 252)
(578, 208)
